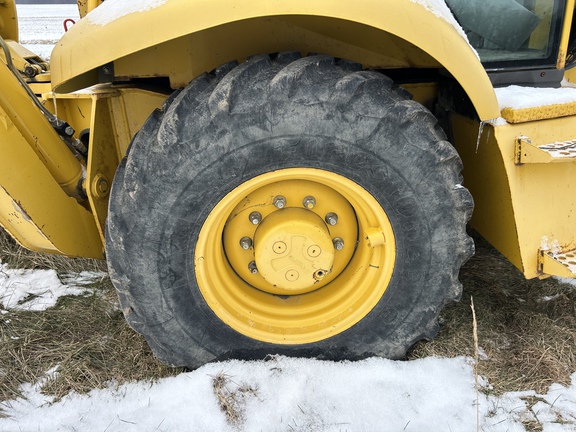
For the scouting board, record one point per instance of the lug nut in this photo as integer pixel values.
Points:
(331, 219)
(255, 218)
(252, 267)
(309, 202)
(246, 243)
(338, 243)
(279, 202)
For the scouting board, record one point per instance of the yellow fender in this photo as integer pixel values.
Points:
(180, 39)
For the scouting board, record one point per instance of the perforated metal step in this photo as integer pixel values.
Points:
(561, 264)
(555, 152)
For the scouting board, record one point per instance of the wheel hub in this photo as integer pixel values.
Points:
(293, 250)
(294, 256)
(290, 237)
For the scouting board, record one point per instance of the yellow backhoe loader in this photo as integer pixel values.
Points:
(292, 176)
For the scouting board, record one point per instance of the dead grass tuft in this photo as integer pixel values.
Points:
(231, 397)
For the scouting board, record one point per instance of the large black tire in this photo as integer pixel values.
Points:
(271, 114)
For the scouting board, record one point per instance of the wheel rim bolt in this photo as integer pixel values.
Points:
(279, 202)
(252, 267)
(338, 243)
(309, 202)
(255, 218)
(246, 243)
(331, 219)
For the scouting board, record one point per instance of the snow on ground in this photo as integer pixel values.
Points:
(42, 25)
(37, 290)
(567, 281)
(284, 394)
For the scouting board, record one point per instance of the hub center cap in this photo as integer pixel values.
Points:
(293, 250)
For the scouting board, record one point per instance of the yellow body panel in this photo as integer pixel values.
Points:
(518, 206)
(85, 6)
(19, 110)
(112, 133)
(111, 117)
(33, 206)
(189, 38)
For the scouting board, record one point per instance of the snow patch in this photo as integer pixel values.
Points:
(517, 97)
(111, 10)
(500, 121)
(549, 298)
(37, 290)
(566, 281)
(482, 354)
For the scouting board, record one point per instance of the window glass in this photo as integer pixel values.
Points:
(511, 30)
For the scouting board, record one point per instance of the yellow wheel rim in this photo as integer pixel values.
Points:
(295, 256)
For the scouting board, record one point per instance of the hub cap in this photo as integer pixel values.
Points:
(293, 251)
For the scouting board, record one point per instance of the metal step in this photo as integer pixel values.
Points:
(556, 152)
(561, 264)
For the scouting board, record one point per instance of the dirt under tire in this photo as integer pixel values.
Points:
(196, 279)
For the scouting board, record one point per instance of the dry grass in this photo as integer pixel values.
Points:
(18, 257)
(85, 337)
(528, 343)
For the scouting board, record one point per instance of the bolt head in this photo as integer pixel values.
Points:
(252, 267)
(331, 219)
(279, 202)
(255, 218)
(309, 202)
(338, 243)
(246, 243)
(103, 185)
(100, 186)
